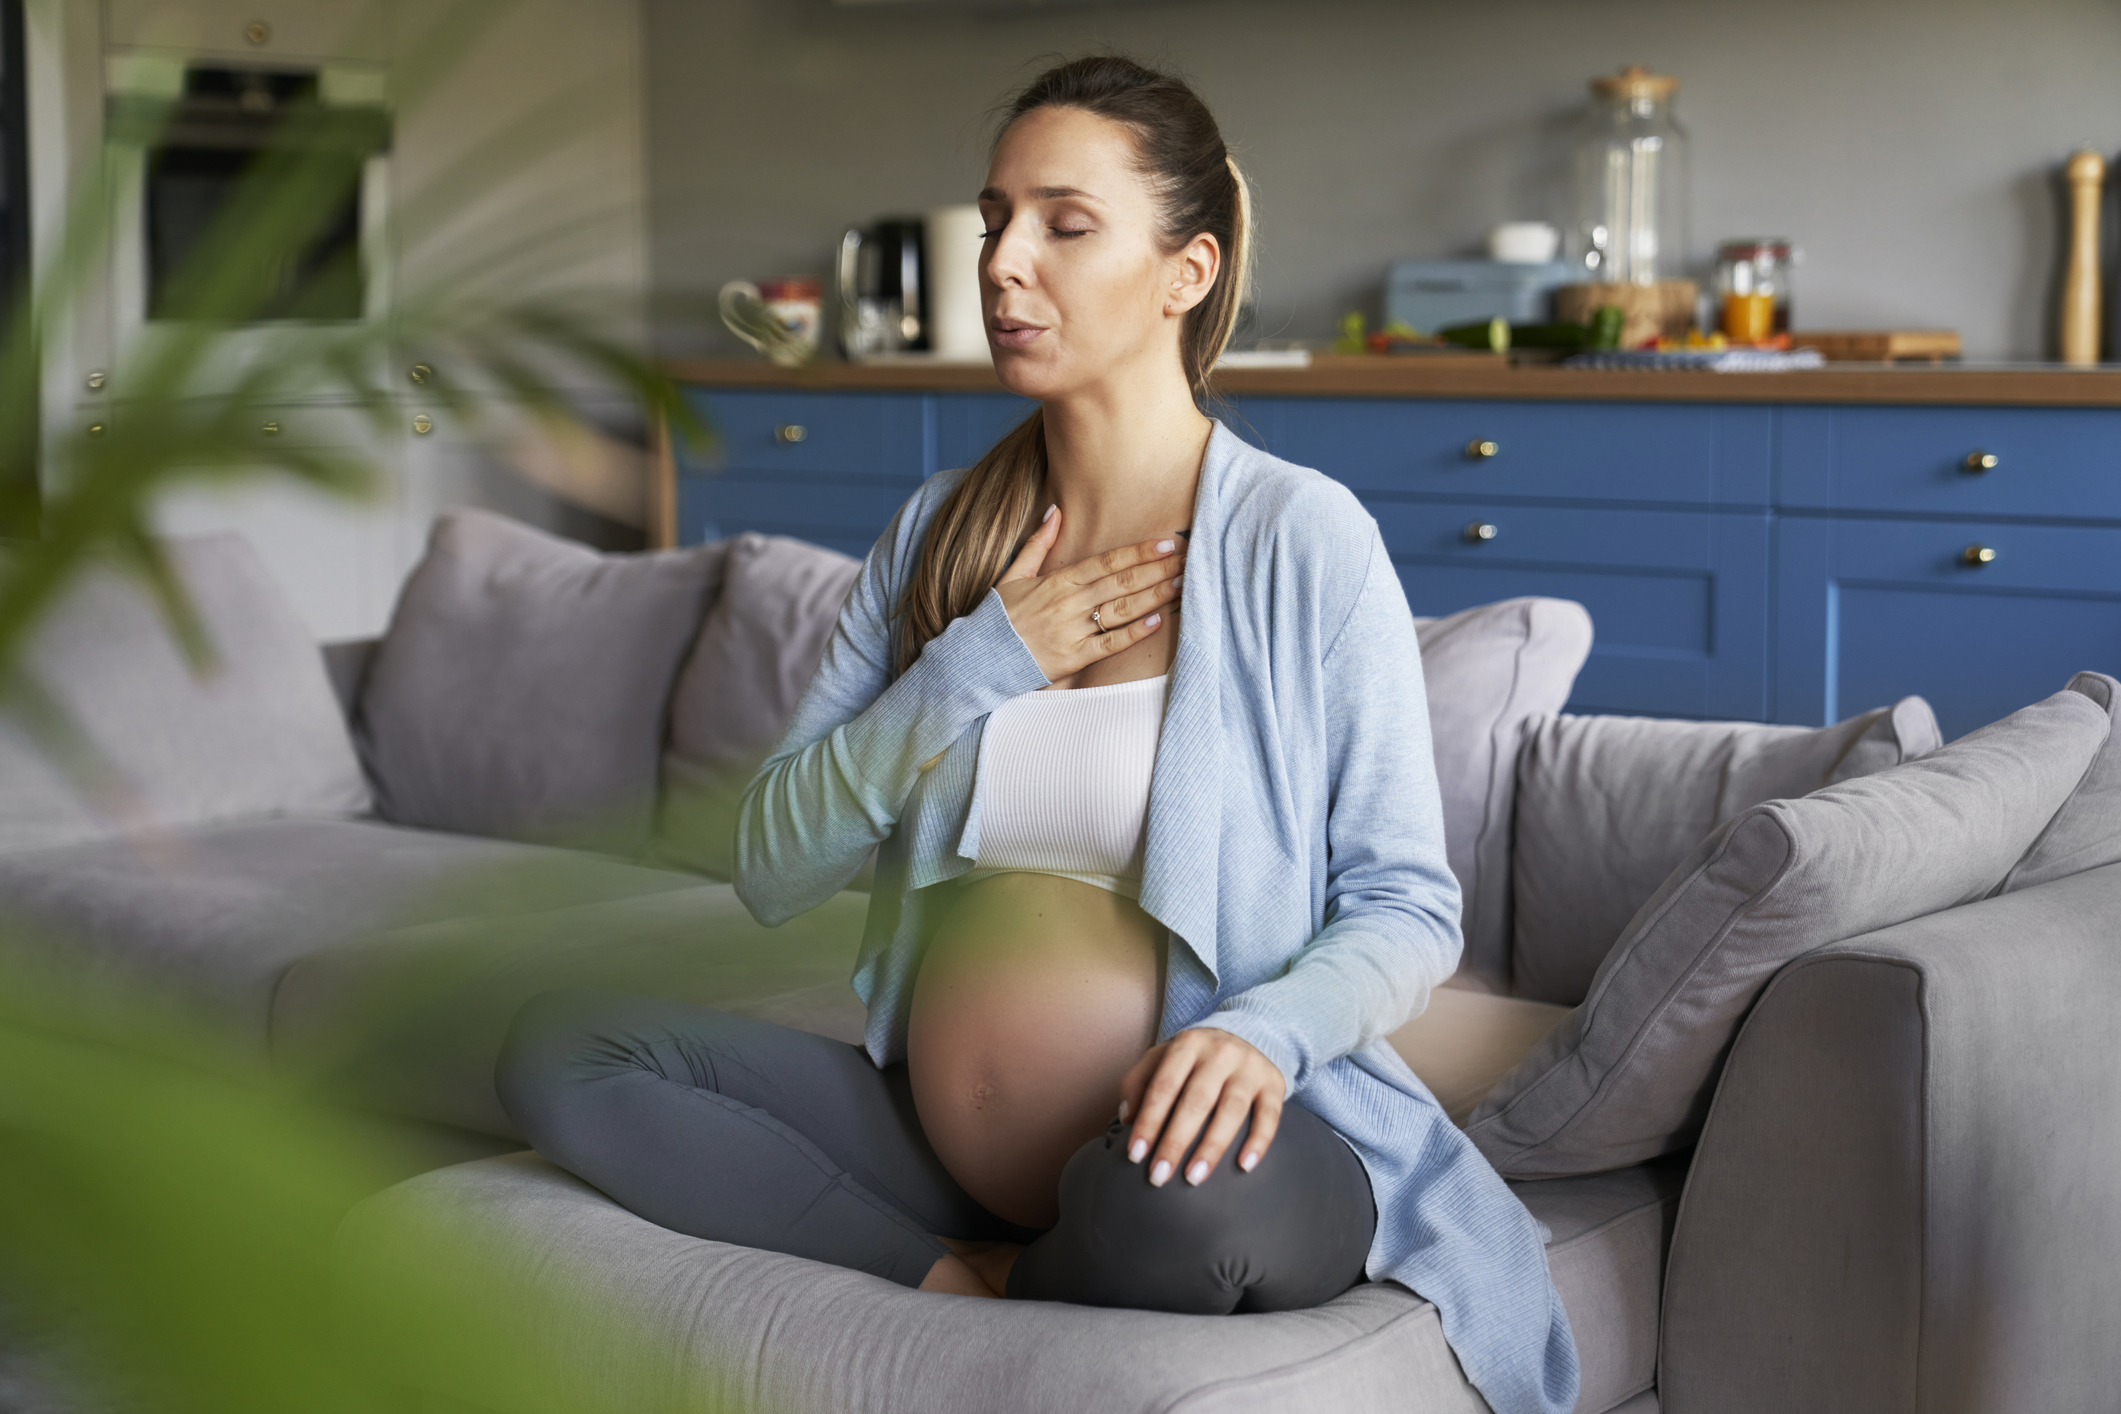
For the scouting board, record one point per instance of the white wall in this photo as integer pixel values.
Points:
(1906, 144)
(528, 155)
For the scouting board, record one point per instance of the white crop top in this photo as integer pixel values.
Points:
(1064, 783)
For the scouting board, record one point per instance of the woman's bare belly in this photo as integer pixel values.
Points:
(1035, 997)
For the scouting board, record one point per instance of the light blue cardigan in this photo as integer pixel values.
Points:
(1295, 852)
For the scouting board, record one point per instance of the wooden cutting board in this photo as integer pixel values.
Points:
(1879, 345)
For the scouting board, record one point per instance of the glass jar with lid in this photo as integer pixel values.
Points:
(1630, 225)
(1753, 288)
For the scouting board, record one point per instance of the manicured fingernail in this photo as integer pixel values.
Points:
(1122, 1111)
(1164, 547)
(1135, 1150)
(1248, 1162)
(1048, 515)
(1160, 1173)
(1198, 1172)
(1177, 580)
(1152, 621)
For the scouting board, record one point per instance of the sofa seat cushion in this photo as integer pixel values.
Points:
(1464, 1041)
(511, 1286)
(410, 1020)
(210, 917)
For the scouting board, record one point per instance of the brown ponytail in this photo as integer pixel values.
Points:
(985, 519)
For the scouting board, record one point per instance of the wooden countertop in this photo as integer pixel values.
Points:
(2003, 385)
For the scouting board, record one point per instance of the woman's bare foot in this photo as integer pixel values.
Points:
(972, 1268)
(952, 1275)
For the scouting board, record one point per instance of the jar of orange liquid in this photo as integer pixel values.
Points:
(1753, 288)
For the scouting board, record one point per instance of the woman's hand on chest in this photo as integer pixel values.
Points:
(1091, 611)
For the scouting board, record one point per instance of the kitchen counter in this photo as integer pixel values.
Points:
(1963, 385)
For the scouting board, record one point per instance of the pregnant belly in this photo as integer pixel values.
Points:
(1035, 996)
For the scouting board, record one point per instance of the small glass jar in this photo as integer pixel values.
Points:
(1631, 182)
(1753, 288)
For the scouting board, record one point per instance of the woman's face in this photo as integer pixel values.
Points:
(1076, 284)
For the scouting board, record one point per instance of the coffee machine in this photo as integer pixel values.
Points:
(883, 295)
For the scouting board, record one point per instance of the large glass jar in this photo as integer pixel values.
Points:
(1631, 182)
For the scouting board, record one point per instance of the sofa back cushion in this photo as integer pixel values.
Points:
(1607, 807)
(2086, 831)
(1629, 1074)
(758, 648)
(521, 689)
(1488, 670)
(145, 741)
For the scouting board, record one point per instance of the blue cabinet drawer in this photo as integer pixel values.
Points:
(1678, 599)
(2058, 463)
(1869, 611)
(848, 519)
(1686, 454)
(827, 438)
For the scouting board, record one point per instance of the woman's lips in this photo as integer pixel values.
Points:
(1014, 334)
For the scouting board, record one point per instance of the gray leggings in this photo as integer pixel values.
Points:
(746, 1132)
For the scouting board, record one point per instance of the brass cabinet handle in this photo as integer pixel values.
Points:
(1480, 449)
(96, 379)
(271, 429)
(1480, 532)
(1975, 556)
(420, 372)
(1977, 462)
(790, 432)
(422, 423)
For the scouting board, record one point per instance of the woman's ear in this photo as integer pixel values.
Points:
(1193, 272)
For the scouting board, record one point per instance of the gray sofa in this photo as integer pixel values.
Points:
(1841, 1142)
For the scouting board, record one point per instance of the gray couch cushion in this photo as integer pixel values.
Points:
(1629, 1074)
(2086, 832)
(757, 651)
(589, 1308)
(1487, 671)
(410, 1020)
(157, 745)
(209, 918)
(1609, 806)
(521, 689)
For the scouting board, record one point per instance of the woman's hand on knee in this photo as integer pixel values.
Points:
(1127, 588)
(1200, 1077)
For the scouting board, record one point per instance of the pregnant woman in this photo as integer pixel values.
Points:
(1132, 715)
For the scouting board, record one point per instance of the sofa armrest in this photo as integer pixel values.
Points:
(346, 664)
(1908, 1192)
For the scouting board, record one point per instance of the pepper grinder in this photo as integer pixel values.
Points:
(2080, 283)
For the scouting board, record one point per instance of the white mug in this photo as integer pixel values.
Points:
(1523, 243)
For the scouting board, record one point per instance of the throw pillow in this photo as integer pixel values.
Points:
(1488, 670)
(2086, 832)
(1609, 806)
(1630, 1073)
(521, 688)
(145, 741)
(757, 651)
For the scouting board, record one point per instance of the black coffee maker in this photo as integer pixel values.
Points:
(883, 299)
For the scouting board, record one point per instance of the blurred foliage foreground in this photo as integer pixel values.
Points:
(167, 1205)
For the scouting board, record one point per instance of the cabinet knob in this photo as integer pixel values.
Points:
(1480, 532)
(1480, 449)
(1976, 556)
(422, 423)
(270, 429)
(790, 432)
(1978, 462)
(96, 379)
(420, 372)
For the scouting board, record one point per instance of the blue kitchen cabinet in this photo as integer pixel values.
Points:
(1869, 610)
(1788, 563)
